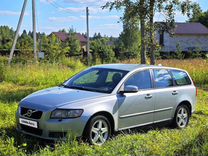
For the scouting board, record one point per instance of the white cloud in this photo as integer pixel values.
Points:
(81, 18)
(73, 10)
(88, 2)
(114, 17)
(92, 10)
(10, 13)
(63, 19)
(108, 29)
(47, 1)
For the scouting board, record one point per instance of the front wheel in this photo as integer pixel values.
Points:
(98, 130)
(182, 116)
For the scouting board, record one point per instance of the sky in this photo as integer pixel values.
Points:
(53, 15)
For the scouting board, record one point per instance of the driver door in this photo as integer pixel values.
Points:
(137, 109)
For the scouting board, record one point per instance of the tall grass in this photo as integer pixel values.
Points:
(21, 80)
(41, 74)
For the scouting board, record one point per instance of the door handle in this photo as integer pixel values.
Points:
(174, 92)
(148, 96)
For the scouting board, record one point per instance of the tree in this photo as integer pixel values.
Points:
(25, 45)
(96, 36)
(130, 37)
(55, 51)
(103, 50)
(6, 37)
(198, 15)
(44, 43)
(144, 10)
(74, 44)
(136, 10)
(151, 36)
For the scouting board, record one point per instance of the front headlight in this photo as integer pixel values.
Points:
(66, 113)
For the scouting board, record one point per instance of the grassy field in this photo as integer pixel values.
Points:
(21, 80)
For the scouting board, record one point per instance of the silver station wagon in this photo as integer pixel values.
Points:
(107, 98)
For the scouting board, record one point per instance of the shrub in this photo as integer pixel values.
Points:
(3, 60)
(1, 72)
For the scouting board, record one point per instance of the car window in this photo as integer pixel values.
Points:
(162, 78)
(112, 76)
(90, 77)
(141, 79)
(180, 78)
(96, 79)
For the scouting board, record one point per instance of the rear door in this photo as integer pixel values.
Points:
(185, 90)
(165, 93)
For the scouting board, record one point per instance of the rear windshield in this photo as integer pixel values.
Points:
(180, 78)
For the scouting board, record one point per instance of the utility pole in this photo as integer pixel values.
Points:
(88, 40)
(34, 29)
(17, 31)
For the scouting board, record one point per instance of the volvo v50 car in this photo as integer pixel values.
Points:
(108, 98)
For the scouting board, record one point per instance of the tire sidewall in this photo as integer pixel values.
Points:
(175, 117)
(91, 123)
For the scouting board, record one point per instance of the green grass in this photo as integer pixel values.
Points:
(20, 80)
(165, 141)
(38, 75)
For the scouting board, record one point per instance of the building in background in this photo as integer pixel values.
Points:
(64, 37)
(186, 37)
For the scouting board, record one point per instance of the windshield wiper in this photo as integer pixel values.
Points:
(82, 88)
(63, 85)
(79, 88)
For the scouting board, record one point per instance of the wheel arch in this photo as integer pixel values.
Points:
(105, 114)
(188, 104)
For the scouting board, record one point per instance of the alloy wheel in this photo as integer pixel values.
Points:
(99, 132)
(182, 117)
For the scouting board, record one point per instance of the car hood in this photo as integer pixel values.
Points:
(58, 96)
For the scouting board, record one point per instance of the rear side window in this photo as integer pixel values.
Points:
(141, 79)
(162, 78)
(180, 78)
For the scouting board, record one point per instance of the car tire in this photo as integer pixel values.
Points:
(98, 130)
(181, 118)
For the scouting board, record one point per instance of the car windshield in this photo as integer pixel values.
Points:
(96, 80)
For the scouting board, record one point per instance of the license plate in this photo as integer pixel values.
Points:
(29, 123)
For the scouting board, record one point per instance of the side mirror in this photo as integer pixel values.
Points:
(129, 89)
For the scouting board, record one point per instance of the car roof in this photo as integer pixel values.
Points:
(126, 67)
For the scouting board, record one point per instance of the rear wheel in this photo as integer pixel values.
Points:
(182, 116)
(98, 130)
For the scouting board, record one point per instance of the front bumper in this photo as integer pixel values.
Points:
(53, 129)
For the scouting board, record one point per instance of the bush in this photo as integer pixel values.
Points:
(73, 63)
(1, 72)
(3, 60)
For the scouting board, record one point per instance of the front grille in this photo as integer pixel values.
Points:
(31, 130)
(57, 134)
(31, 113)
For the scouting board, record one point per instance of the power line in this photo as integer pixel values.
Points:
(54, 4)
(57, 6)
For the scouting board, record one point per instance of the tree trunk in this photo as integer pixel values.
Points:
(143, 52)
(151, 33)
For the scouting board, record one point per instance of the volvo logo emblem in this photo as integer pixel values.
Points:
(29, 113)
